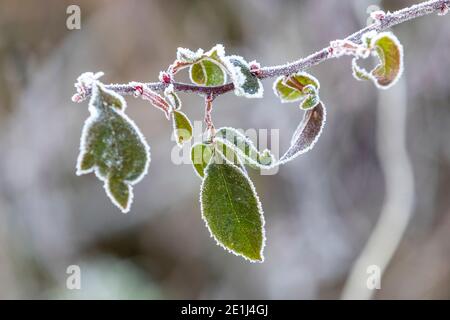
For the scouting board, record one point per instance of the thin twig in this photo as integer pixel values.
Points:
(387, 21)
(208, 118)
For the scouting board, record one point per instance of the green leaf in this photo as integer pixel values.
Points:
(290, 88)
(229, 154)
(217, 53)
(119, 190)
(173, 97)
(201, 154)
(390, 53)
(359, 73)
(301, 87)
(188, 56)
(231, 210)
(197, 74)
(306, 134)
(245, 83)
(86, 162)
(312, 98)
(113, 147)
(244, 148)
(182, 127)
(208, 73)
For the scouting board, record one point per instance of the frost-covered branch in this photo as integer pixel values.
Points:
(383, 22)
(113, 147)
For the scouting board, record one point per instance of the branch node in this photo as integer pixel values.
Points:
(443, 10)
(165, 77)
(349, 46)
(138, 90)
(255, 68)
(84, 85)
(378, 16)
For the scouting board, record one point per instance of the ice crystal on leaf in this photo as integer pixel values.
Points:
(216, 53)
(232, 210)
(209, 68)
(156, 100)
(389, 51)
(112, 147)
(367, 37)
(246, 84)
(301, 87)
(173, 98)
(229, 154)
(307, 133)
(205, 68)
(360, 73)
(390, 54)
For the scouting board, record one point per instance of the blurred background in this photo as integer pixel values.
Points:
(381, 167)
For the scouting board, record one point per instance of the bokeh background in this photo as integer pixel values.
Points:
(381, 167)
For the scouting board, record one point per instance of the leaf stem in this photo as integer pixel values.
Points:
(208, 118)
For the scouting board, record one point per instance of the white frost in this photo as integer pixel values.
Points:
(189, 56)
(299, 131)
(239, 78)
(240, 146)
(172, 96)
(357, 69)
(348, 48)
(95, 85)
(260, 209)
(284, 80)
(219, 49)
(391, 36)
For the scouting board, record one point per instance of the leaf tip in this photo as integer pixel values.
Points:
(120, 193)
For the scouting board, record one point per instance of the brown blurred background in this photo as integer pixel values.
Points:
(320, 209)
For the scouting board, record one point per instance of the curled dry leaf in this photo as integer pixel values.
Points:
(307, 133)
(389, 51)
(301, 87)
